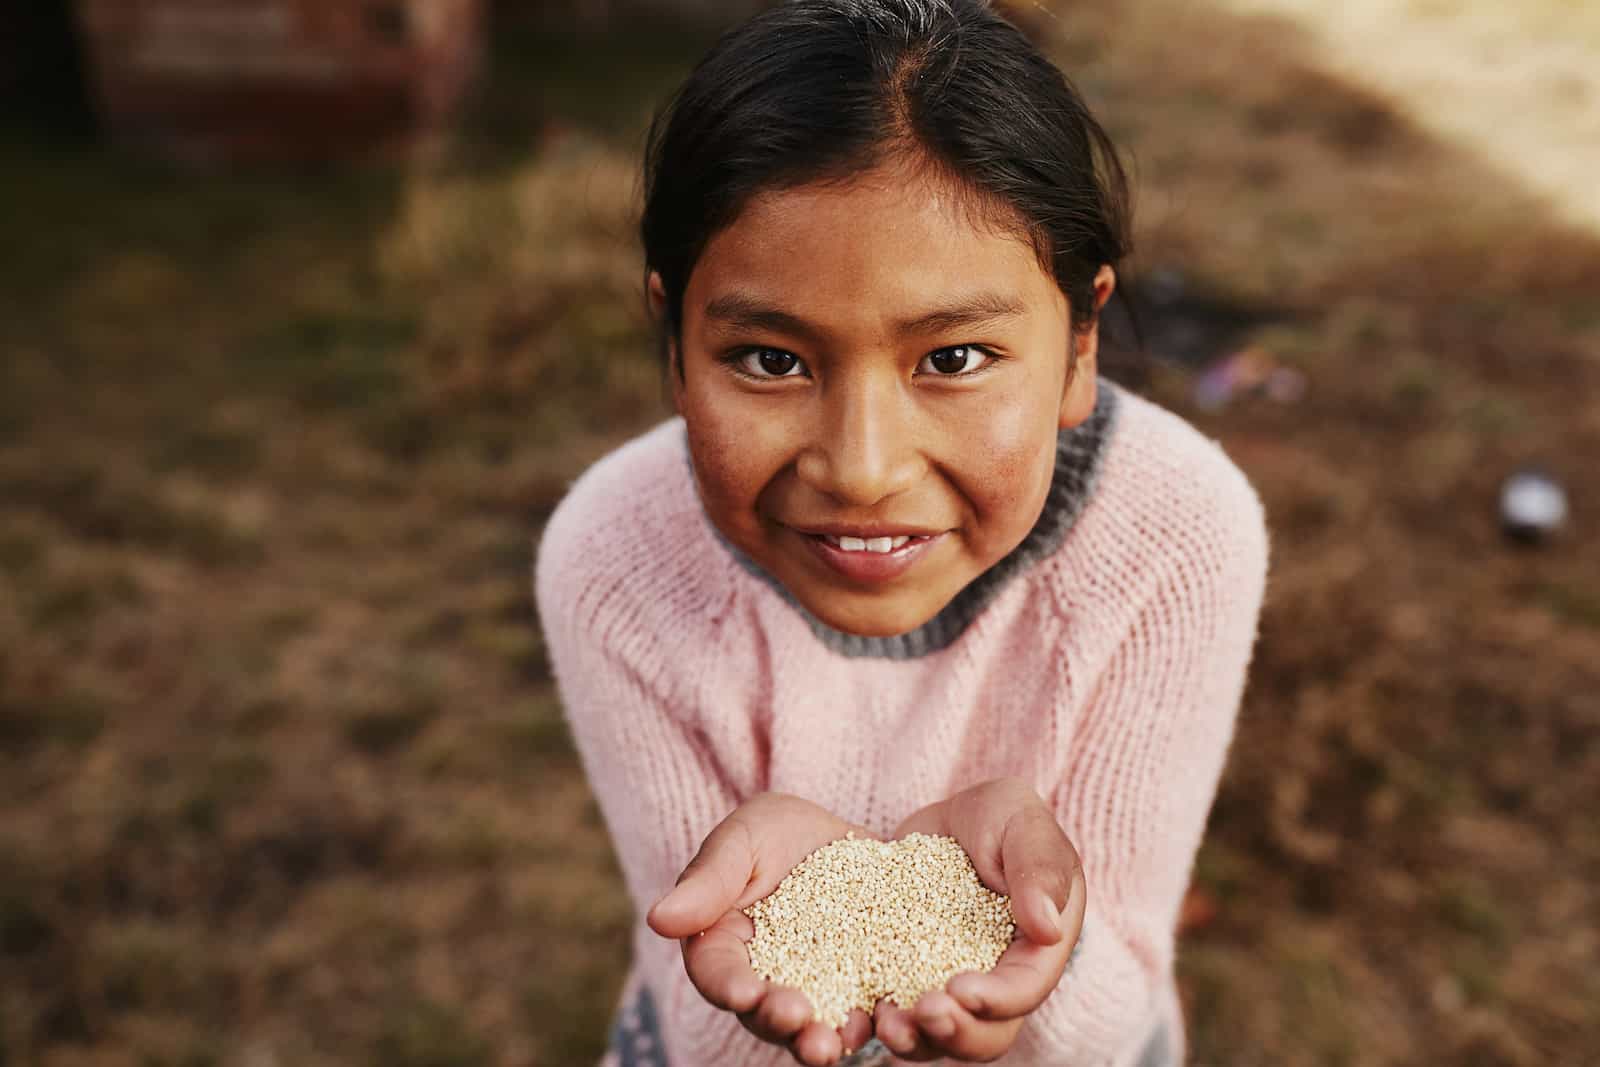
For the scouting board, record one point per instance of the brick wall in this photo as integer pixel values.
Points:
(231, 80)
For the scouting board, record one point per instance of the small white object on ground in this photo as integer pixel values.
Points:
(1532, 505)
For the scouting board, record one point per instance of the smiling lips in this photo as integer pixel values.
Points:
(880, 557)
(879, 545)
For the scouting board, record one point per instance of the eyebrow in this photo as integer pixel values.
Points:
(748, 312)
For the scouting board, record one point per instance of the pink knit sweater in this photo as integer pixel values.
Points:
(1108, 673)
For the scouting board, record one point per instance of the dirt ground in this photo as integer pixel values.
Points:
(1515, 84)
(283, 778)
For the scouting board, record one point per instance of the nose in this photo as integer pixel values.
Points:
(863, 448)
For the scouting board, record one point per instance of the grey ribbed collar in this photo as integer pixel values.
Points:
(1079, 452)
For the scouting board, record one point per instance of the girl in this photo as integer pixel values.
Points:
(903, 561)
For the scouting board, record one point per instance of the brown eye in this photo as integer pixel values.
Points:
(955, 360)
(777, 363)
(767, 363)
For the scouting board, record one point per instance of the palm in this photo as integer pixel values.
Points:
(780, 831)
(743, 860)
(1018, 849)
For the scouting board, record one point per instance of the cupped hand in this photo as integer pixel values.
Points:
(742, 860)
(1017, 848)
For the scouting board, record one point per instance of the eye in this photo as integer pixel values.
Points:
(954, 361)
(768, 363)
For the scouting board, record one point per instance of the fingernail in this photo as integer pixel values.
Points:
(941, 1026)
(1052, 911)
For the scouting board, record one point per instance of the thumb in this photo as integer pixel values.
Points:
(710, 886)
(1041, 869)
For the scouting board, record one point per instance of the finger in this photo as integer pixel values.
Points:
(817, 1045)
(783, 830)
(929, 820)
(898, 1030)
(710, 885)
(780, 1016)
(1026, 973)
(719, 964)
(856, 1031)
(953, 1031)
(1040, 868)
(978, 817)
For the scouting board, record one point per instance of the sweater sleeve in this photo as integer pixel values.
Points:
(653, 772)
(1161, 715)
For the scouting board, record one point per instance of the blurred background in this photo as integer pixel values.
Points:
(310, 311)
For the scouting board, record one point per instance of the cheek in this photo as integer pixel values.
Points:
(1007, 457)
(734, 458)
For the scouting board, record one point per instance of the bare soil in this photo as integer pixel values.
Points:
(283, 776)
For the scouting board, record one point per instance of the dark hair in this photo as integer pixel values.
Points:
(814, 90)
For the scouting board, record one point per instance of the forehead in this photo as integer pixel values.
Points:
(884, 240)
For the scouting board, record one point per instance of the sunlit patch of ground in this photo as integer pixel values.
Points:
(1516, 83)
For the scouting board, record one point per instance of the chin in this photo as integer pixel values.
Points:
(871, 621)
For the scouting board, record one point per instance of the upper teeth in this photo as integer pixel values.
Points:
(870, 544)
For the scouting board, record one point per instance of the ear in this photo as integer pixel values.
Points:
(1078, 394)
(657, 294)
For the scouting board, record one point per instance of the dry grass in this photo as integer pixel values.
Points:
(282, 775)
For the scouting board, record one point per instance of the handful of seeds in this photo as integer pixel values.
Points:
(858, 920)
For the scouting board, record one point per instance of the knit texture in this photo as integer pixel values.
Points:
(1107, 673)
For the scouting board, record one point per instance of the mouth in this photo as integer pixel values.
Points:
(869, 557)
(879, 545)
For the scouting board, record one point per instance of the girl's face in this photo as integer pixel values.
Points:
(872, 382)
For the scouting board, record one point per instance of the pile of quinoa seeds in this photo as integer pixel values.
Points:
(860, 919)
